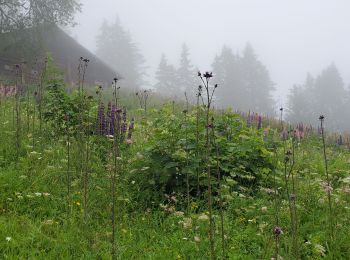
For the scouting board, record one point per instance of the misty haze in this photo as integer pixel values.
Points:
(174, 129)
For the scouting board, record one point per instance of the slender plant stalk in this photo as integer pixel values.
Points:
(187, 156)
(276, 201)
(281, 118)
(289, 163)
(293, 199)
(115, 172)
(17, 111)
(41, 94)
(197, 138)
(329, 187)
(33, 121)
(207, 76)
(86, 178)
(27, 110)
(83, 140)
(68, 162)
(221, 207)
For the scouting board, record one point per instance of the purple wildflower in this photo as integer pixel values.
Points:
(259, 121)
(112, 120)
(101, 120)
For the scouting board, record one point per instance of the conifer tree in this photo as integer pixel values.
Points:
(301, 102)
(116, 47)
(244, 81)
(186, 73)
(257, 82)
(324, 95)
(166, 76)
(228, 75)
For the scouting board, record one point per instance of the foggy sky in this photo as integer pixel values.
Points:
(291, 37)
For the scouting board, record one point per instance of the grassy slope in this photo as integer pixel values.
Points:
(39, 224)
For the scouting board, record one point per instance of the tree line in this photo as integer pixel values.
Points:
(324, 94)
(244, 82)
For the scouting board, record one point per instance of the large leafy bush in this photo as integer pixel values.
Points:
(172, 159)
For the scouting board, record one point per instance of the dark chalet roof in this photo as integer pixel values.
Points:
(66, 53)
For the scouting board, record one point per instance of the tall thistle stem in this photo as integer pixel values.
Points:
(84, 170)
(199, 94)
(187, 156)
(221, 205)
(17, 111)
(289, 163)
(207, 77)
(33, 119)
(40, 97)
(292, 199)
(276, 201)
(115, 169)
(68, 162)
(28, 109)
(328, 186)
(281, 118)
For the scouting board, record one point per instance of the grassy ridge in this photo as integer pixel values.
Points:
(39, 221)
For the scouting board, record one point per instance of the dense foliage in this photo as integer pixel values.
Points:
(173, 156)
(20, 14)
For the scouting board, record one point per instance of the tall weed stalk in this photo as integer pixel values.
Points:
(328, 186)
(115, 168)
(219, 179)
(205, 78)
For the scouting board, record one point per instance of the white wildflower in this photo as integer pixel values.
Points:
(203, 217)
(179, 213)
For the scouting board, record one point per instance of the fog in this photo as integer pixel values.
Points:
(290, 37)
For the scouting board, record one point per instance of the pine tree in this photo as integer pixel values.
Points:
(330, 97)
(257, 82)
(300, 102)
(228, 75)
(186, 74)
(324, 95)
(116, 48)
(167, 84)
(244, 81)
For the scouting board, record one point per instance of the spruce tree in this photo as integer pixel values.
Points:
(244, 81)
(166, 77)
(301, 102)
(228, 75)
(324, 95)
(330, 97)
(257, 82)
(116, 47)
(186, 74)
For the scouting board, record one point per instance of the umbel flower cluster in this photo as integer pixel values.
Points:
(113, 122)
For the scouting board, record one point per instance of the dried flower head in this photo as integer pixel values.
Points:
(208, 75)
(277, 231)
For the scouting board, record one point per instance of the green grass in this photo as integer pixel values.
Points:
(38, 221)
